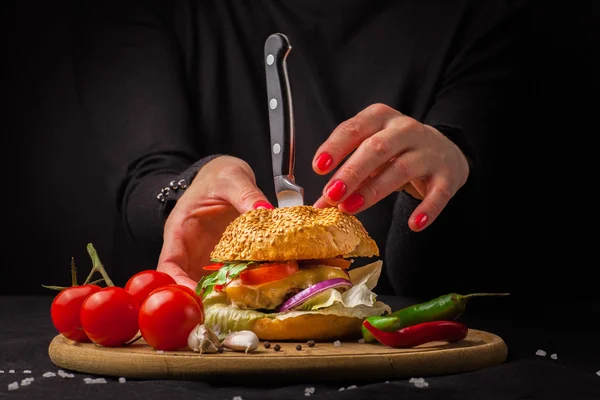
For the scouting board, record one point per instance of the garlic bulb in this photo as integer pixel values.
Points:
(241, 341)
(203, 340)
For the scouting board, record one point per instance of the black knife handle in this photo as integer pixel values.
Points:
(279, 102)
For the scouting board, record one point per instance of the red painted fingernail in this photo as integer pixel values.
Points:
(262, 205)
(324, 161)
(336, 190)
(421, 220)
(353, 202)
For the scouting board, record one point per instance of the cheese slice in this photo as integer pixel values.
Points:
(270, 295)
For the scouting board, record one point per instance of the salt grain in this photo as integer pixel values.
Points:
(1, 372)
(540, 353)
(237, 398)
(159, 351)
(26, 381)
(27, 371)
(419, 382)
(337, 343)
(122, 380)
(341, 389)
(598, 373)
(49, 375)
(11, 371)
(554, 356)
(351, 387)
(361, 340)
(309, 390)
(13, 386)
(64, 374)
(93, 381)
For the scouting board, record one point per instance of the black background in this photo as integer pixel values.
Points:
(53, 201)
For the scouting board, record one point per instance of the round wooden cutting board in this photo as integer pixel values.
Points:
(323, 362)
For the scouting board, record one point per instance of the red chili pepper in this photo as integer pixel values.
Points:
(448, 331)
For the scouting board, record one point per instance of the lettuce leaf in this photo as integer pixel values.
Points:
(364, 279)
(224, 275)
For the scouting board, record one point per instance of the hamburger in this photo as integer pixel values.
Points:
(286, 274)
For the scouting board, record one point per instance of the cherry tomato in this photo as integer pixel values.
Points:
(110, 316)
(191, 292)
(66, 308)
(141, 284)
(213, 267)
(268, 272)
(168, 315)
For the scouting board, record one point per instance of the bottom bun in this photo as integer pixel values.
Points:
(317, 327)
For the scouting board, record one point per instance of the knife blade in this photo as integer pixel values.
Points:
(281, 121)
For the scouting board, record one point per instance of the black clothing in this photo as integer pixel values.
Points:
(167, 83)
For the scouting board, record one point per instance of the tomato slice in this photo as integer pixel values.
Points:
(333, 262)
(213, 267)
(268, 272)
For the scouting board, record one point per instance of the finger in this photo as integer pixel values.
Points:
(239, 189)
(185, 281)
(371, 156)
(173, 256)
(349, 135)
(438, 196)
(396, 174)
(321, 203)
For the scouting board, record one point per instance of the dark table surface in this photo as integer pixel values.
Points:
(567, 330)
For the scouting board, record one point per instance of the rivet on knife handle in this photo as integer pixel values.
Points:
(281, 116)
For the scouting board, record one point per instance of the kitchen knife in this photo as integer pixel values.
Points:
(281, 121)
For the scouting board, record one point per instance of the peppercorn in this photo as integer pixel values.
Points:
(298, 347)
(267, 345)
(311, 343)
(277, 347)
(221, 349)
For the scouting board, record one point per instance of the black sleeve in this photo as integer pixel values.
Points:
(131, 86)
(476, 103)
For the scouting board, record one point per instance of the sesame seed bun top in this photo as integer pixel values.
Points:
(294, 233)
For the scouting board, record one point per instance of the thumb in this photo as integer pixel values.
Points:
(241, 192)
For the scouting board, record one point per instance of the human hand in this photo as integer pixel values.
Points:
(222, 190)
(392, 152)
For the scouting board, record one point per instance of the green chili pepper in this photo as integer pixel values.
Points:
(446, 307)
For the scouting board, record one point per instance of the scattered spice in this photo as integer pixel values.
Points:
(298, 347)
(311, 343)
(221, 349)
(277, 347)
(267, 344)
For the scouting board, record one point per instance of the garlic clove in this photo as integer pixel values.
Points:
(245, 341)
(202, 340)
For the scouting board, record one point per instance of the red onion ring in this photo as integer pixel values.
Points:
(312, 291)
